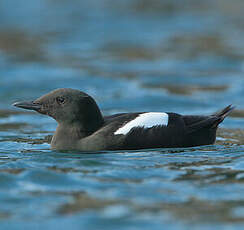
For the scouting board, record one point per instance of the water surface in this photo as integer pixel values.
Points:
(183, 56)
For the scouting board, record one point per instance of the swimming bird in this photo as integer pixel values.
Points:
(81, 125)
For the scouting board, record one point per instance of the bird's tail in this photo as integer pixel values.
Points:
(221, 115)
(211, 121)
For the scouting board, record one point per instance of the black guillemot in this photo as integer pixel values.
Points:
(81, 125)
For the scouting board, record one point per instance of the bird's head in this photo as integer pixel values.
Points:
(64, 105)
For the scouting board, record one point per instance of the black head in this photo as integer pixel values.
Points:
(66, 106)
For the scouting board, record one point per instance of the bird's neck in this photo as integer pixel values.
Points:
(90, 121)
(67, 135)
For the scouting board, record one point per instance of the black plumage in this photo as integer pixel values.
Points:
(81, 125)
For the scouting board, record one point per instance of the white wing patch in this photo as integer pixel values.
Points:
(145, 120)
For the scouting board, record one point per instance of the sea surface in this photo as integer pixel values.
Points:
(182, 56)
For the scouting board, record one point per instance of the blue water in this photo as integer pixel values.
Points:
(179, 56)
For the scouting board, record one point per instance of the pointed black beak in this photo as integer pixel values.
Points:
(28, 105)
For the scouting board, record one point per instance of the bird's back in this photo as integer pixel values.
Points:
(180, 131)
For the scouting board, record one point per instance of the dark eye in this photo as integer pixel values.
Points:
(60, 100)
